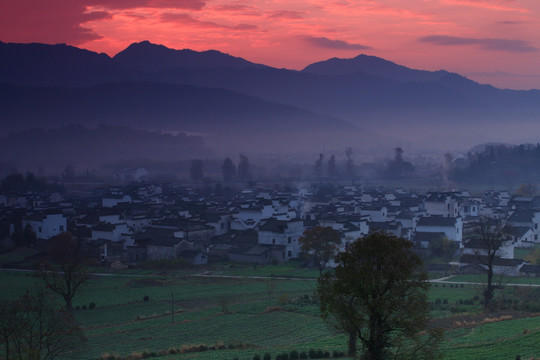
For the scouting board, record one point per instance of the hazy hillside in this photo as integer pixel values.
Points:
(89, 147)
(430, 109)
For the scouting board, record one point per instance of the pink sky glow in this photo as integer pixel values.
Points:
(490, 41)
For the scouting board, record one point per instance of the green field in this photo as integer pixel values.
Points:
(241, 313)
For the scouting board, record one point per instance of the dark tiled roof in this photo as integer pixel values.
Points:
(437, 221)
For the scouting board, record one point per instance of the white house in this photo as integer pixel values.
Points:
(46, 225)
(112, 232)
(477, 247)
(375, 213)
(442, 204)
(287, 233)
(450, 226)
(527, 218)
(112, 201)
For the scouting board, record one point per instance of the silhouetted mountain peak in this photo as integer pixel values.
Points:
(146, 56)
(372, 65)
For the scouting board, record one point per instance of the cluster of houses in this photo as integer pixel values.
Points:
(144, 222)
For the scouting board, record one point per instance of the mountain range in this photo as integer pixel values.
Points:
(238, 105)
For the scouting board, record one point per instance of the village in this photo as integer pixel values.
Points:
(132, 224)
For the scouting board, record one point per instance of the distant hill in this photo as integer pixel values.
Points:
(229, 121)
(147, 57)
(430, 107)
(372, 65)
(89, 147)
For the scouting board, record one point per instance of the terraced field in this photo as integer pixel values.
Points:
(242, 316)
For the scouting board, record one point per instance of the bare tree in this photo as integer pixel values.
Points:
(33, 328)
(65, 273)
(489, 232)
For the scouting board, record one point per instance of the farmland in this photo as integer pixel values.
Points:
(239, 312)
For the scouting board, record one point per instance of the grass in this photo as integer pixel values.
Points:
(497, 279)
(274, 314)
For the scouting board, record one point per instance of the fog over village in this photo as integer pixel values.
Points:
(231, 180)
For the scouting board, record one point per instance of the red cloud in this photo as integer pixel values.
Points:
(51, 21)
(190, 20)
(132, 4)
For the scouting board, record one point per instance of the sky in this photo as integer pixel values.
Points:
(489, 41)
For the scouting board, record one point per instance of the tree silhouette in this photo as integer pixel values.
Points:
(349, 164)
(196, 170)
(332, 169)
(33, 328)
(318, 166)
(64, 274)
(244, 168)
(319, 245)
(379, 293)
(490, 234)
(228, 170)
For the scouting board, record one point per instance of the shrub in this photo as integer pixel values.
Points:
(338, 354)
(303, 355)
(293, 355)
(320, 354)
(445, 301)
(267, 356)
(312, 354)
(256, 357)
(146, 298)
(84, 307)
(92, 306)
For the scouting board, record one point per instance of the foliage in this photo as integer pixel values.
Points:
(33, 328)
(379, 292)
(398, 168)
(533, 257)
(497, 163)
(17, 183)
(65, 273)
(442, 246)
(319, 245)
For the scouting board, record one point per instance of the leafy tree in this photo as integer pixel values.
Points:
(228, 169)
(196, 170)
(319, 245)
(33, 328)
(379, 293)
(244, 168)
(489, 231)
(398, 167)
(442, 246)
(528, 190)
(65, 273)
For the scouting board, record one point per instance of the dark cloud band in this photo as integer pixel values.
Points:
(324, 42)
(515, 45)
